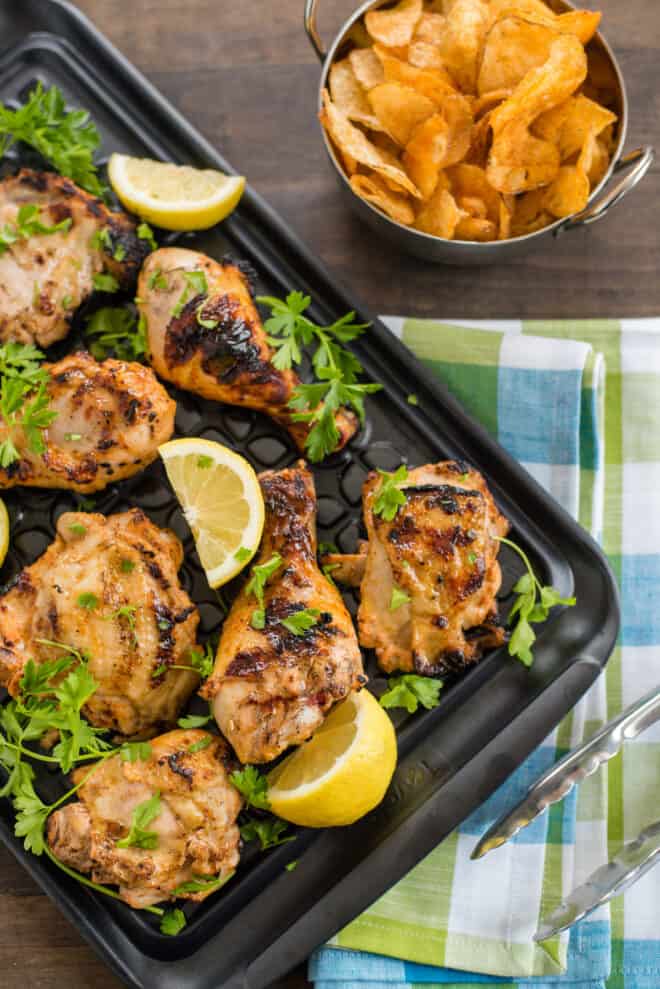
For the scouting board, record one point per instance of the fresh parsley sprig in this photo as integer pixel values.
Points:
(253, 787)
(533, 605)
(118, 332)
(203, 884)
(261, 574)
(335, 368)
(66, 139)
(389, 496)
(268, 830)
(27, 225)
(301, 621)
(24, 400)
(410, 691)
(143, 814)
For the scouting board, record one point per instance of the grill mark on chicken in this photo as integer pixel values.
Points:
(87, 557)
(232, 362)
(271, 688)
(441, 550)
(196, 823)
(90, 399)
(32, 309)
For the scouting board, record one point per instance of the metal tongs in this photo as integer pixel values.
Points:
(631, 862)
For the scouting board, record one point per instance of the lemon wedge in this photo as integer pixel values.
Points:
(342, 772)
(175, 197)
(222, 503)
(4, 531)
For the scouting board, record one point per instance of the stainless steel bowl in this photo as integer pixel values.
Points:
(614, 186)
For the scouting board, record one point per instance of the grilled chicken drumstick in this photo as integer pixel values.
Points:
(213, 342)
(196, 836)
(45, 276)
(440, 550)
(272, 685)
(111, 418)
(108, 588)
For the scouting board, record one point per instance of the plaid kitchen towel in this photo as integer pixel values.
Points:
(539, 387)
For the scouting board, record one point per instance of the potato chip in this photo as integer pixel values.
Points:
(394, 26)
(512, 48)
(425, 56)
(349, 97)
(470, 182)
(439, 215)
(489, 101)
(568, 193)
(481, 140)
(473, 228)
(506, 212)
(529, 214)
(366, 67)
(473, 205)
(594, 160)
(528, 9)
(431, 28)
(359, 35)
(435, 84)
(426, 152)
(374, 190)
(582, 23)
(351, 141)
(467, 23)
(350, 164)
(518, 161)
(399, 109)
(569, 124)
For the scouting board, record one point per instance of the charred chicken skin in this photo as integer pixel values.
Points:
(44, 277)
(271, 688)
(111, 418)
(440, 550)
(108, 588)
(195, 827)
(213, 342)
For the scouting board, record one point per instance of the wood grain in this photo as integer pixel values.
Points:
(245, 75)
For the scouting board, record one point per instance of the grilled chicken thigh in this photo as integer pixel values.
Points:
(196, 832)
(228, 359)
(44, 277)
(440, 550)
(271, 688)
(107, 587)
(111, 418)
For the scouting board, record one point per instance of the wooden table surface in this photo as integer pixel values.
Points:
(244, 74)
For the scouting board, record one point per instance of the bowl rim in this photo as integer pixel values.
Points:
(485, 246)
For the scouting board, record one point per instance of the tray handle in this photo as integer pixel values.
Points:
(309, 20)
(636, 164)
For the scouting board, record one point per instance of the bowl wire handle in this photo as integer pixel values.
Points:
(636, 163)
(309, 18)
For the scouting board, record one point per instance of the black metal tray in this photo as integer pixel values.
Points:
(267, 919)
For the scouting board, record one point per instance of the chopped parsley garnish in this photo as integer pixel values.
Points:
(412, 400)
(27, 225)
(104, 282)
(243, 554)
(202, 884)
(143, 814)
(532, 605)
(72, 437)
(194, 720)
(117, 331)
(203, 743)
(410, 691)
(290, 866)
(195, 283)
(208, 324)
(301, 621)
(145, 232)
(253, 787)
(398, 598)
(78, 529)
(269, 831)
(389, 496)
(134, 751)
(158, 280)
(88, 601)
(261, 573)
(172, 922)
(204, 462)
(24, 400)
(258, 619)
(127, 566)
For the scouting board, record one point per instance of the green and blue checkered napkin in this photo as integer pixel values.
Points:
(578, 403)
